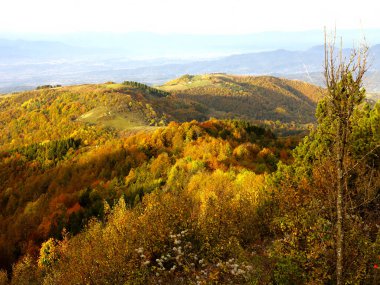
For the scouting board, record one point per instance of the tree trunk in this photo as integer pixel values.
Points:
(340, 204)
(340, 232)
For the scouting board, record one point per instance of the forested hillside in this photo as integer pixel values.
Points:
(118, 184)
(95, 111)
(47, 187)
(58, 144)
(250, 97)
(86, 111)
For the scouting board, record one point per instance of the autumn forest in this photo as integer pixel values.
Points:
(206, 179)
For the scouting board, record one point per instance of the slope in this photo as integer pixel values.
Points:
(83, 111)
(50, 186)
(65, 150)
(249, 97)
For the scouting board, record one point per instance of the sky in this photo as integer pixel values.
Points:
(185, 17)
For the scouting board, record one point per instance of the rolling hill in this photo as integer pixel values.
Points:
(249, 97)
(85, 111)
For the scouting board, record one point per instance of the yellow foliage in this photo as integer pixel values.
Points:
(265, 152)
(3, 277)
(224, 203)
(160, 165)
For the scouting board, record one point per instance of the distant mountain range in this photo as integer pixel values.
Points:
(12, 51)
(155, 59)
(150, 45)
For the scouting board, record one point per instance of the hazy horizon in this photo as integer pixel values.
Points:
(195, 17)
(68, 42)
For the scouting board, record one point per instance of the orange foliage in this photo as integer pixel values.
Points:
(73, 209)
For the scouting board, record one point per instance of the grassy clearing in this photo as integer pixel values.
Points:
(108, 118)
(187, 82)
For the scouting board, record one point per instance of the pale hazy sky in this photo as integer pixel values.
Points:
(194, 16)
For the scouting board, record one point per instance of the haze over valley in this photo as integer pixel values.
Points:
(28, 61)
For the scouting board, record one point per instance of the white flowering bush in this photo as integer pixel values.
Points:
(181, 262)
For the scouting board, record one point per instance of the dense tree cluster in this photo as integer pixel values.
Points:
(194, 202)
(146, 88)
(49, 151)
(211, 202)
(40, 198)
(48, 86)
